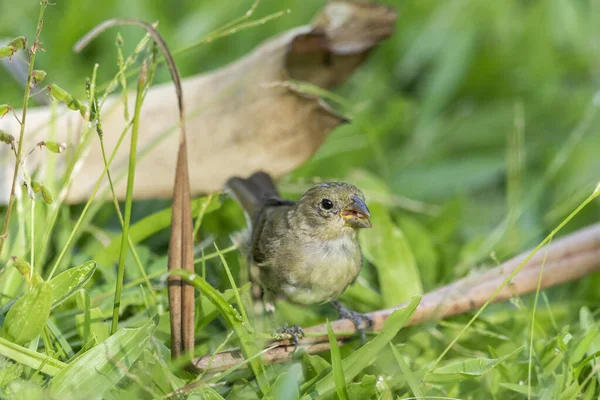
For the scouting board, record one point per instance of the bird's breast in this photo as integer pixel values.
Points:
(328, 268)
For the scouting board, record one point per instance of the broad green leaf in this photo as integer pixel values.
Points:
(408, 375)
(423, 247)
(367, 354)
(286, 384)
(553, 366)
(385, 246)
(312, 365)
(570, 393)
(336, 365)
(67, 283)
(30, 358)
(27, 317)
(363, 390)
(100, 369)
(585, 345)
(586, 320)
(460, 370)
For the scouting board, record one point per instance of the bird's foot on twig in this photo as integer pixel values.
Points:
(361, 321)
(294, 331)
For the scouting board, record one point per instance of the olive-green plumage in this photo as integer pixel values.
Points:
(308, 250)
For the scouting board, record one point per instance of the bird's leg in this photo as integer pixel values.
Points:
(294, 331)
(268, 300)
(357, 319)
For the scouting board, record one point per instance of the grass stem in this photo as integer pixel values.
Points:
(34, 49)
(129, 197)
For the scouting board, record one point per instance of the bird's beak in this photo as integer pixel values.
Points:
(357, 214)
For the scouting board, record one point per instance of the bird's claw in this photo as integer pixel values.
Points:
(361, 321)
(294, 331)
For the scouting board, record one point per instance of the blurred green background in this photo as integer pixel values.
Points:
(475, 132)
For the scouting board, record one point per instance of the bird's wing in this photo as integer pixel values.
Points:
(264, 209)
(255, 193)
(267, 229)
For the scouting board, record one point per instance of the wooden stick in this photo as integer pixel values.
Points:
(567, 259)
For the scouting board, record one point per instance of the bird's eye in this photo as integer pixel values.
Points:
(326, 204)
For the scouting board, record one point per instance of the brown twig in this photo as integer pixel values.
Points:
(181, 297)
(567, 259)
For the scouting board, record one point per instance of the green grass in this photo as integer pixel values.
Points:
(474, 137)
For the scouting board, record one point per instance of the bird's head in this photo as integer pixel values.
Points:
(335, 208)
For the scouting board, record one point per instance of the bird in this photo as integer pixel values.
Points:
(306, 251)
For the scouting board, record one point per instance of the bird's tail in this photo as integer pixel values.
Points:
(254, 192)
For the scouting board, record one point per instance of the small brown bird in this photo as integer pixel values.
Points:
(306, 251)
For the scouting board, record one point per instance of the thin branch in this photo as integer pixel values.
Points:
(569, 258)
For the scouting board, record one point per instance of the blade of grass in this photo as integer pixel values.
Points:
(93, 102)
(31, 359)
(412, 382)
(474, 367)
(238, 298)
(201, 213)
(286, 384)
(85, 209)
(129, 196)
(336, 365)
(531, 332)
(60, 338)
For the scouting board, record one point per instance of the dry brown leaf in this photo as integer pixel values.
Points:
(239, 119)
